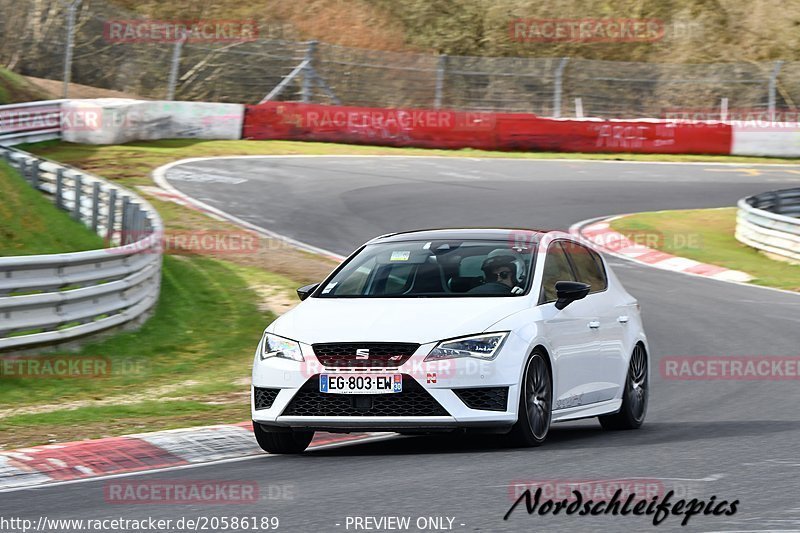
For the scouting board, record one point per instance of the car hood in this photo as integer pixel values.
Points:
(418, 320)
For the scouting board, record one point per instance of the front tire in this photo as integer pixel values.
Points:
(286, 442)
(634, 400)
(535, 403)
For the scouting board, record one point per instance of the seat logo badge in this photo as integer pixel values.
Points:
(431, 377)
(362, 353)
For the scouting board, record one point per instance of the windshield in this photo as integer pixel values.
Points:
(433, 269)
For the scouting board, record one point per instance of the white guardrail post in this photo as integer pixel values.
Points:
(47, 299)
(770, 222)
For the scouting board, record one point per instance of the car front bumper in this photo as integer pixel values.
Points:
(291, 379)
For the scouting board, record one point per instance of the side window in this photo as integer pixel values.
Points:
(588, 266)
(556, 268)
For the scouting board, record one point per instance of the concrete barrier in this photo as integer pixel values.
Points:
(118, 120)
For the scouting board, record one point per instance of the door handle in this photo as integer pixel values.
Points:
(622, 319)
(594, 324)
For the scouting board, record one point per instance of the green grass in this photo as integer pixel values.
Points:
(205, 328)
(707, 235)
(14, 88)
(199, 345)
(197, 348)
(134, 161)
(29, 224)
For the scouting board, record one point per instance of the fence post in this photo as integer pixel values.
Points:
(60, 188)
(557, 86)
(34, 170)
(23, 170)
(126, 207)
(112, 215)
(441, 68)
(76, 209)
(723, 110)
(73, 6)
(133, 223)
(95, 205)
(308, 73)
(773, 84)
(175, 65)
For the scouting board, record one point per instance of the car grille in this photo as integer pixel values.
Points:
(413, 401)
(264, 397)
(381, 354)
(484, 398)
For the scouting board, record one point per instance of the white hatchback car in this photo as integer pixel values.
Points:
(495, 330)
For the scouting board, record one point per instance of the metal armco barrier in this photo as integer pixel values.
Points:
(30, 122)
(47, 299)
(769, 222)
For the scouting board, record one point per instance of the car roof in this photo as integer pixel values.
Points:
(528, 236)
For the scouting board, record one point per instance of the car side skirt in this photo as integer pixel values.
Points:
(587, 411)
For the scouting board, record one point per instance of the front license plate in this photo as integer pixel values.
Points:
(360, 383)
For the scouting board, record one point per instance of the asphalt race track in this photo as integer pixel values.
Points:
(736, 440)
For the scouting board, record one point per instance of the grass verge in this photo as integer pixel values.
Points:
(30, 225)
(134, 160)
(14, 89)
(707, 235)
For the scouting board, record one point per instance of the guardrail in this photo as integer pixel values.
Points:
(770, 222)
(30, 122)
(47, 299)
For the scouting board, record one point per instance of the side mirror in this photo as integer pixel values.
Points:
(305, 292)
(569, 291)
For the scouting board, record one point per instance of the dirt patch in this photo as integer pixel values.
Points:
(124, 399)
(76, 90)
(274, 299)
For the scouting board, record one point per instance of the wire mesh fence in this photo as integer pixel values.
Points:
(34, 41)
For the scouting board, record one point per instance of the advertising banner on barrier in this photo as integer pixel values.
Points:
(488, 131)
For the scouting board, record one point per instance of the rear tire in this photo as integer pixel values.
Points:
(634, 400)
(535, 404)
(285, 442)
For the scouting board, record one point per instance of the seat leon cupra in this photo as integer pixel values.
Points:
(497, 330)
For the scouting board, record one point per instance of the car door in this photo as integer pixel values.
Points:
(570, 332)
(609, 360)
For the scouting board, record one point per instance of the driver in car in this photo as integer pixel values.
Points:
(503, 270)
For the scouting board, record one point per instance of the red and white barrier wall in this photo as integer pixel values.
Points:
(523, 132)
(489, 131)
(116, 121)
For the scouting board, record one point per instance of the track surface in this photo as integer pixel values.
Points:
(736, 440)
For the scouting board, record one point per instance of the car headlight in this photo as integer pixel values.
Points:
(275, 346)
(483, 346)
